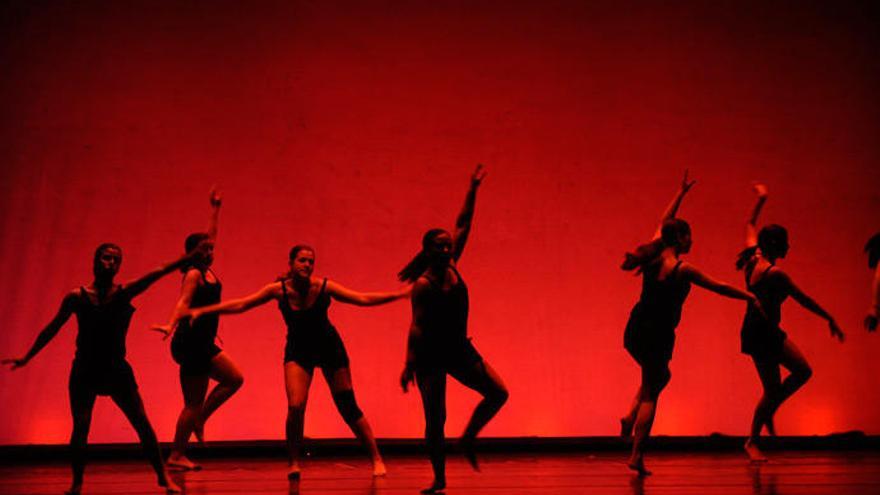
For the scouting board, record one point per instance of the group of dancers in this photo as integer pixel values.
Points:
(437, 343)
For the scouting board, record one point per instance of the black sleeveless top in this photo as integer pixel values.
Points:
(663, 299)
(205, 328)
(650, 332)
(102, 328)
(307, 323)
(760, 335)
(770, 294)
(446, 313)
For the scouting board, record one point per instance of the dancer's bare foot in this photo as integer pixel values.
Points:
(75, 488)
(293, 472)
(626, 427)
(754, 453)
(469, 452)
(169, 485)
(379, 468)
(637, 464)
(436, 487)
(178, 462)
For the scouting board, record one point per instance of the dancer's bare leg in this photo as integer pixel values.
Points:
(229, 379)
(194, 388)
(132, 406)
(768, 371)
(296, 381)
(776, 392)
(799, 373)
(81, 405)
(627, 422)
(341, 389)
(486, 381)
(655, 377)
(432, 388)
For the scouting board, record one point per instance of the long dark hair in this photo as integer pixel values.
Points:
(649, 253)
(192, 241)
(422, 260)
(772, 240)
(873, 250)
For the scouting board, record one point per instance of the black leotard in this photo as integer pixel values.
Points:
(761, 336)
(311, 339)
(99, 366)
(444, 343)
(650, 331)
(193, 346)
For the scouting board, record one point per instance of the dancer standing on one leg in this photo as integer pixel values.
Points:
(438, 343)
(872, 248)
(103, 312)
(193, 346)
(312, 341)
(761, 336)
(650, 332)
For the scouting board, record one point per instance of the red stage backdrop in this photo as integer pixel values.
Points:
(354, 128)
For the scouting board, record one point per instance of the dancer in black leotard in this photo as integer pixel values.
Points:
(650, 331)
(761, 336)
(312, 341)
(103, 312)
(438, 343)
(872, 248)
(193, 346)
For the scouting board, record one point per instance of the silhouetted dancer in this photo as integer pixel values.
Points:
(438, 343)
(761, 336)
(103, 312)
(312, 341)
(650, 331)
(193, 346)
(872, 248)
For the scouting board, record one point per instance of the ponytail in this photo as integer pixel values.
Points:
(647, 254)
(742, 259)
(643, 256)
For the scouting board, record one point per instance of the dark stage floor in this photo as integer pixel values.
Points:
(674, 473)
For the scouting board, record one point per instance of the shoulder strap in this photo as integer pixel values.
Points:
(284, 287)
(323, 287)
(675, 269)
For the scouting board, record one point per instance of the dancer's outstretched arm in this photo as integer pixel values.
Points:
(751, 226)
(48, 333)
(674, 205)
(191, 279)
(349, 296)
(216, 200)
(691, 273)
(809, 303)
(466, 216)
(190, 282)
(137, 286)
(234, 306)
(419, 292)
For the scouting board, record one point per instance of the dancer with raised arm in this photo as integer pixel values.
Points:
(193, 346)
(312, 341)
(103, 312)
(761, 336)
(650, 331)
(438, 343)
(872, 248)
